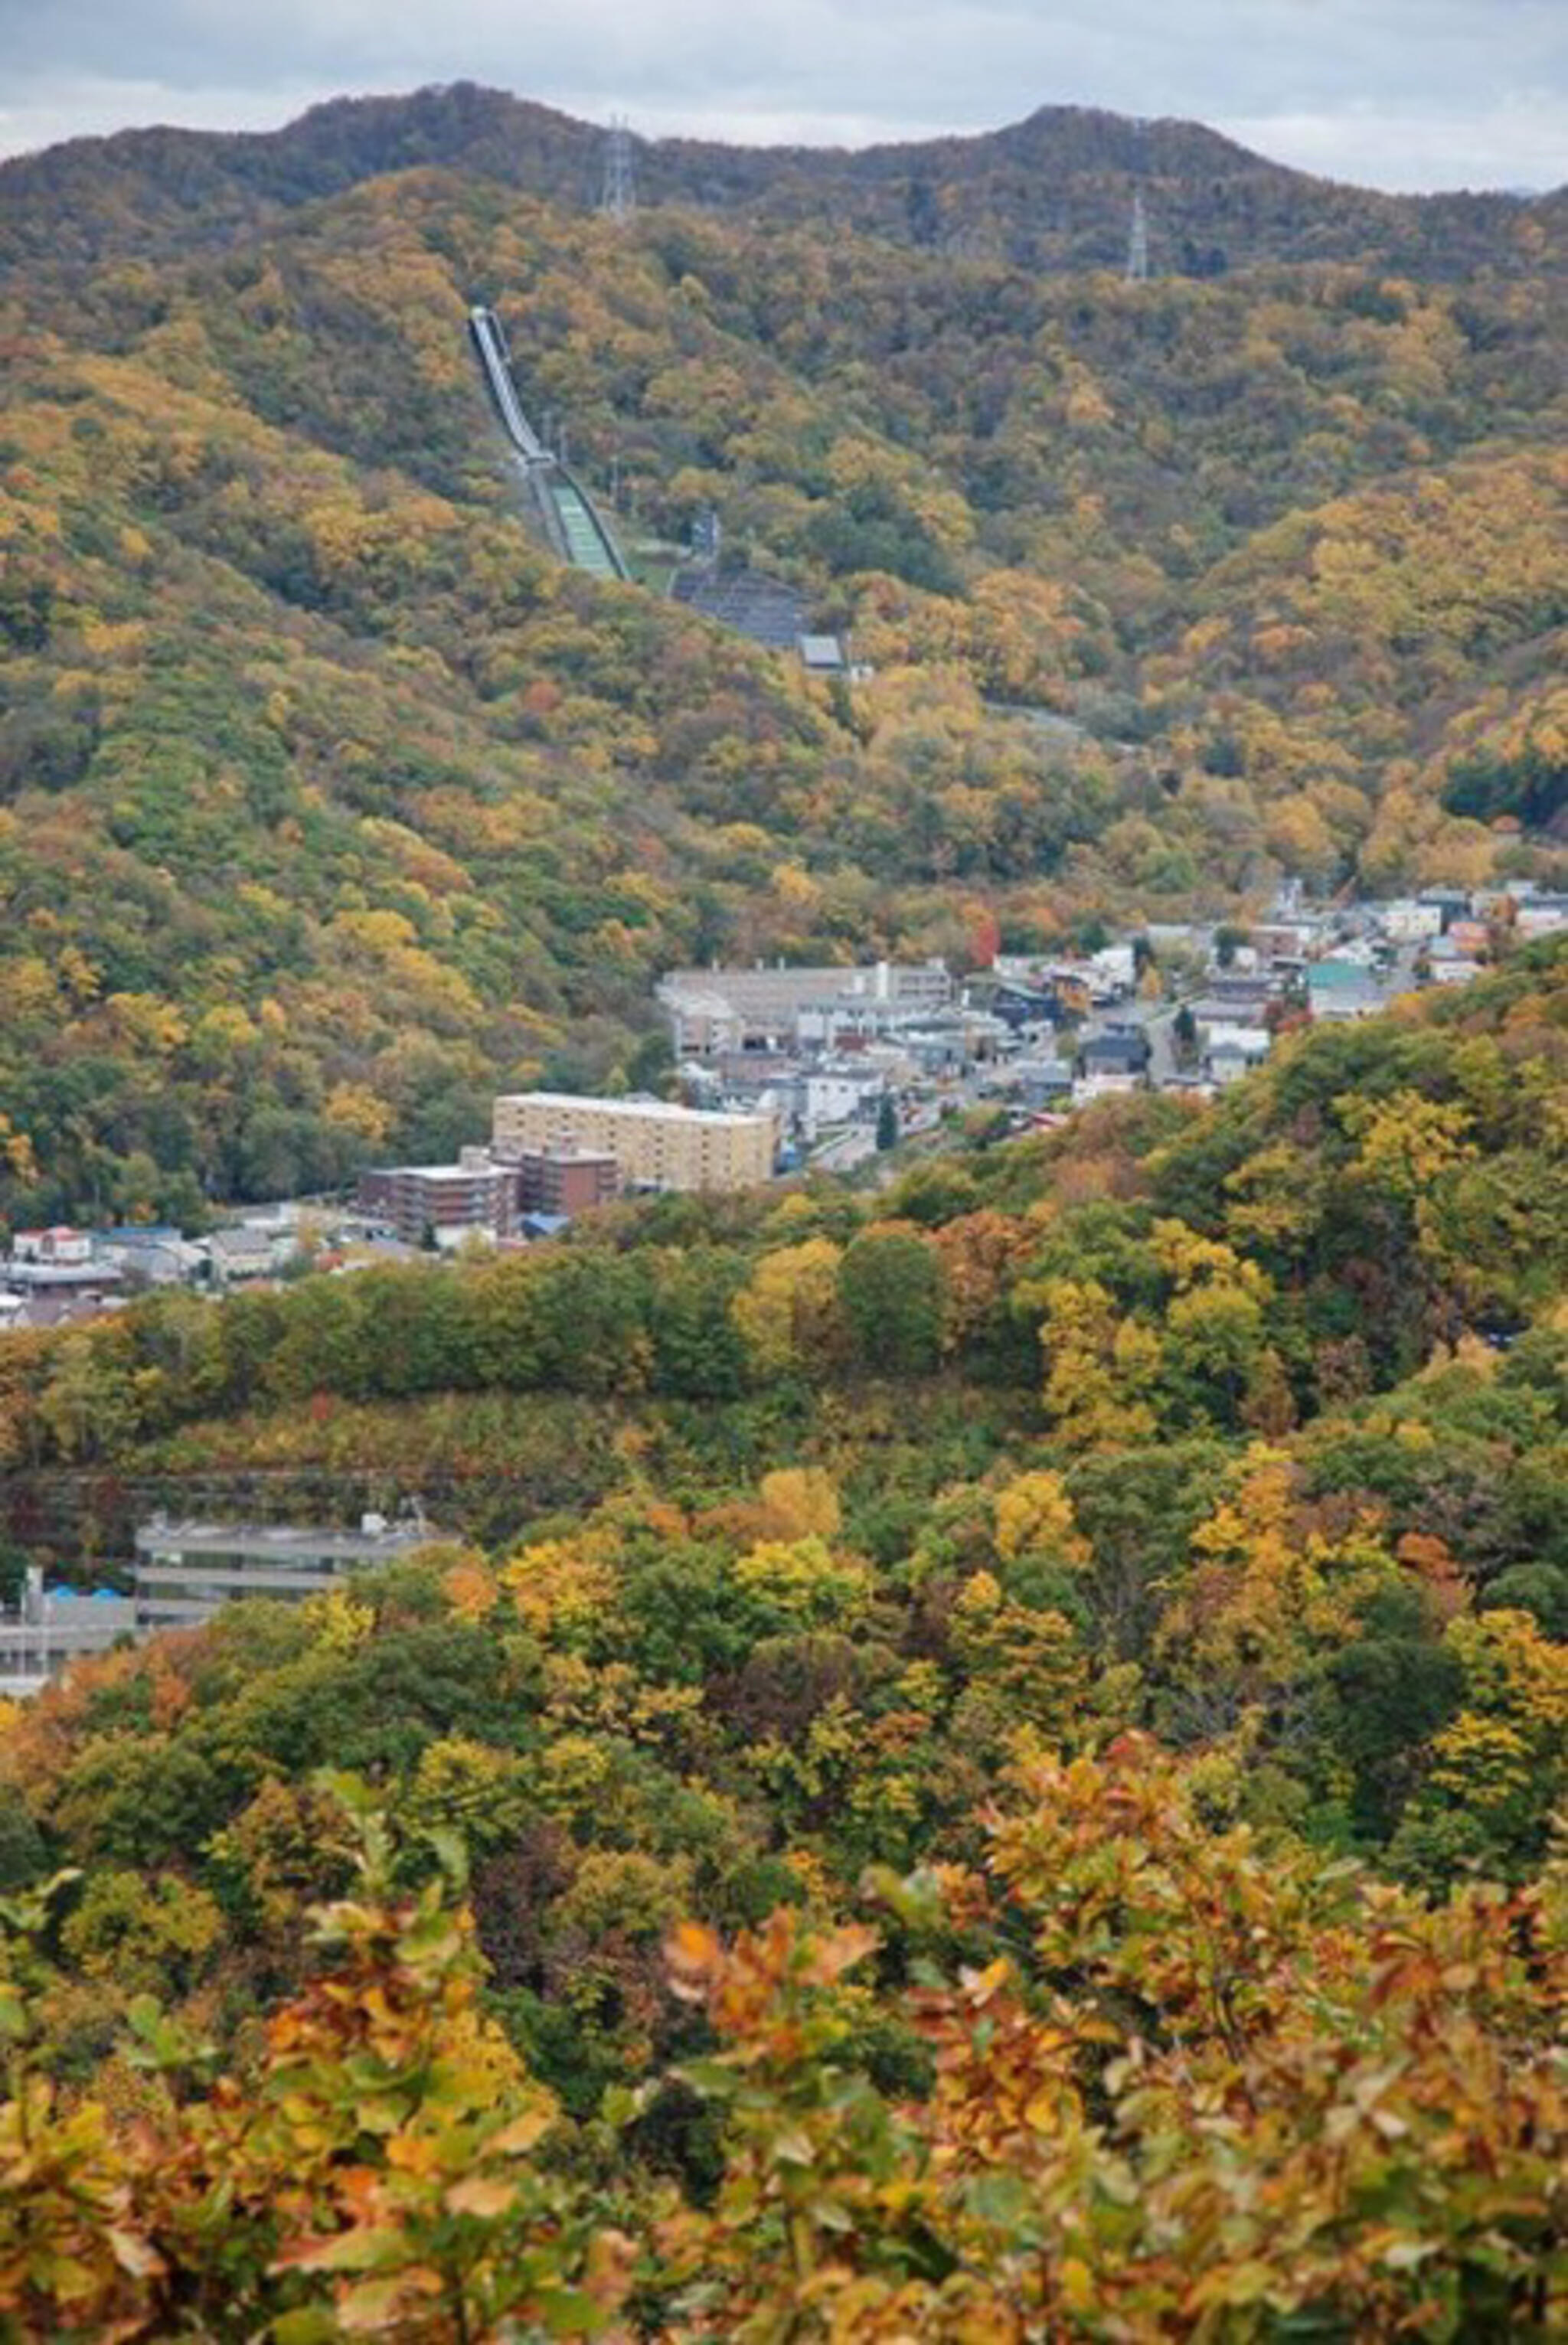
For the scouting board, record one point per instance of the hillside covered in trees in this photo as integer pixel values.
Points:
(979, 1763)
(329, 804)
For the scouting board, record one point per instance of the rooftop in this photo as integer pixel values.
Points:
(657, 1111)
(454, 1174)
(284, 1539)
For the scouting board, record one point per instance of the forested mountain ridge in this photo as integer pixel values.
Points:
(1015, 1796)
(1053, 191)
(327, 803)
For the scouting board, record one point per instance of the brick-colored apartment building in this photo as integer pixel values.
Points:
(442, 1203)
(566, 1180)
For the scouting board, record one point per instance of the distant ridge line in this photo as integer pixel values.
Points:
(1050, 192)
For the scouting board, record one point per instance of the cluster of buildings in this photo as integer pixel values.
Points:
(772, 1061)
(819, 1049)
(783, 1066)
(184, 1573)
(1225, 993)
(555, 1154)
(53, 1277)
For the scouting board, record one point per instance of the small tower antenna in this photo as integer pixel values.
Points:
(618, 194)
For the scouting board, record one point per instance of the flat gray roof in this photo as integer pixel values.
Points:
(280, 1540)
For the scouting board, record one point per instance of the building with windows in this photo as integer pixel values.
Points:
(714, 1011)
(654, 1145)
(186, 1571)
(561, 1182)
(51, 1628)
(441, 1205)
(58, 1276)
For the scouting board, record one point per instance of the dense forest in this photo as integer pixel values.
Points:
(329, 804)
(981, 1762)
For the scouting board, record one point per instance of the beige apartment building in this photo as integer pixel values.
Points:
(654, 1146)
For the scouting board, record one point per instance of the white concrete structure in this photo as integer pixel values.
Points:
(50, 1628)
(186, 1571)
(712, 1010)
(838, 1095)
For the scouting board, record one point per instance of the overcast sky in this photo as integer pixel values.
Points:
(1405, 94)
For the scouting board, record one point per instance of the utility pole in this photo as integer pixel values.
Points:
(618, 194)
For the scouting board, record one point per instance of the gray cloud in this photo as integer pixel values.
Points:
(1398, 92)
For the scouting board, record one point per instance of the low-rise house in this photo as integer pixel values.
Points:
(1343, 989)
(1038, 1082)
(1113, 971)
(1236, 1054)
(1410, 921)
(150, 1254)
(245, 1253)
(1123, 1058)
(1286, 943)
(936, 1052)
(60, 1247)
(1541, 916)
(59, 1277)
(1103, 1084)
(1472, 938)
(822, 656)
(1247, 990)
(1220, 1015)
(1450, 904)
(1018, 1004)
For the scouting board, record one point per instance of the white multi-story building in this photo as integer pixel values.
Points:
(713, 1011)
(186, 1571)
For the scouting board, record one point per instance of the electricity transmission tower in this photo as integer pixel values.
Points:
(618, 194)
(1138, 243)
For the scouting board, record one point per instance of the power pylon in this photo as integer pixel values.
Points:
(1138, 243)
(618, 194)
